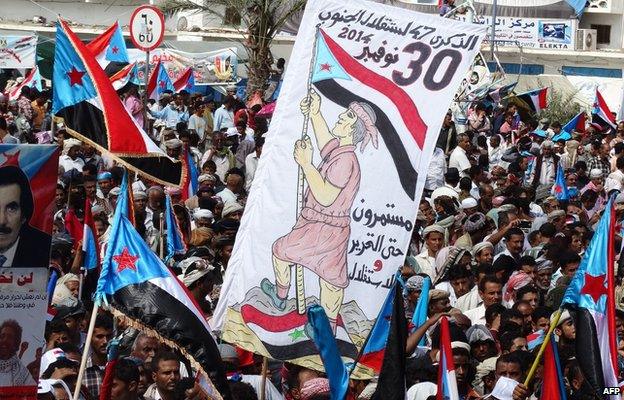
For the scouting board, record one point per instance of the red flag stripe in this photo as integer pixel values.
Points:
(182, 81)
(151, 84)
(406, 107)
(100, 43)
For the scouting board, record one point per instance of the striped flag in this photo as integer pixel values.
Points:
(420, 313)
(447, 382)
(32, 80)
(186, 81)
(372, 354)
(560, 188)
(109, 46)
(592, 292)
(90, 245)
(137, 285)
(158, 82)
(601, 112)
(190, 182)
(92, 112)
(535, 339)
(126, 75)
(535, 100)
(553, 385)
(576, 124)
(500, 93)
(175, 240)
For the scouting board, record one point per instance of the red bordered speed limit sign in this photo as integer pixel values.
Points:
(147, 27)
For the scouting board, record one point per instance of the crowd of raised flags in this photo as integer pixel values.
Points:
(516, 248)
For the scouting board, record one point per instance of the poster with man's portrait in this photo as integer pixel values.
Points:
(28, 175)
(23, 303)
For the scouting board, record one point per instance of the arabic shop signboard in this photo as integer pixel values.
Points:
(531, 32)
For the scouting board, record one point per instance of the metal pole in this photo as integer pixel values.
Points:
(493, 36)
(146, 94)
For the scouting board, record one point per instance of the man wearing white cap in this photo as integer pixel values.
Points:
(545, 166)
(174, 148)
(70, 159)
(202, 218)
(469, 206)
(199, 279)
(434, 241)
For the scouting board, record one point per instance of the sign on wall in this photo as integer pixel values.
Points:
(18, 51)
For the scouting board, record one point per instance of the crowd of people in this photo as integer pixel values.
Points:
(491, 235)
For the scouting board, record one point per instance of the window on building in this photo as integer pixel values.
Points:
(603, 33)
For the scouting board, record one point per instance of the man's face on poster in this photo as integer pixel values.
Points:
(8, 343)
(10, 215)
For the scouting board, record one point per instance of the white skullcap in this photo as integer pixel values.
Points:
(565, 315)
(230, 207)
(139, 195)
(116, 191)
(595, 173)
(200, 213)
(477, 248)
(173, 143)
(547, 144)
(206, 177)
(469, 202)
(69, 143)
(433, 228)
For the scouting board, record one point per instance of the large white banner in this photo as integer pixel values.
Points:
(18, 51)
(357, 120)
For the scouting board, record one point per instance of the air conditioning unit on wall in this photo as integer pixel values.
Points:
(586, 39)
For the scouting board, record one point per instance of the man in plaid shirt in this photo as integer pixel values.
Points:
(599, 158)
(94, 372)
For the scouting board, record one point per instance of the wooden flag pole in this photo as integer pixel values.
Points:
(85, 352)
(265, 371)
(162, 236)
(540, 353)
(299, 277)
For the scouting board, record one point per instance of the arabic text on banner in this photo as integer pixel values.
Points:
(18, 51)
(23, 304)
(380, 82)
(208, 67)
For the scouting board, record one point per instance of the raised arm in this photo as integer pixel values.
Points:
(311, 105)
(322, 190)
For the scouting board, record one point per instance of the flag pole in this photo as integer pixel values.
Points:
(85, 353)
(540, 353)
(299, 277)
(265, 369)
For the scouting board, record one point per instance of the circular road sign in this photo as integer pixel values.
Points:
(147, 27)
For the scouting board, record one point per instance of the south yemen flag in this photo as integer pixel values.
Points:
(92, 112)
(333, 64)
(553, 385)
(592, 292)
(447, 381)
(110, 46)
(601, 112)
(535, 100)
(139, 287)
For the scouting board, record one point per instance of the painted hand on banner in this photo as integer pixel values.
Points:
(311, 104)
(303, 152)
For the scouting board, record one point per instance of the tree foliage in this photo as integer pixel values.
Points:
(260, 21)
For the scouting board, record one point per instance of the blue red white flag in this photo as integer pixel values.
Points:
(372, 354)
(420, 313)
(126, 75)
(136, 283)
(190, 183)
(535, 339)
(576, 124)
(560, 188)
(447, 381)
(92, 112)
(186, 81)
(90, 244)
(601, 112)
(553, 384)
(110, 46)
(32, 80)
(592, 293)
(535, 100)
(159, 82)
(175, 240)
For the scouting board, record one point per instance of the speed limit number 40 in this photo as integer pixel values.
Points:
(147, 27)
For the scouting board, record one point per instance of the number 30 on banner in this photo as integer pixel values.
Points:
(415, 67)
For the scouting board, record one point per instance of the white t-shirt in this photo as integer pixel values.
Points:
(198, 124)
(459, 160)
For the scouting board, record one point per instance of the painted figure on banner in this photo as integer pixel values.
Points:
(320, 237)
